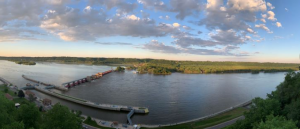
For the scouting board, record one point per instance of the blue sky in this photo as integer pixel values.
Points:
(215, 30)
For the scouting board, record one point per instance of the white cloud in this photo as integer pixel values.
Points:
(223, 8)
(270, 5)
(250, 30)
(286, 9)
(263, 20)
(176, 24)
(264, 27)
(278, 24)
(248, 5)
(264, 15)
(133, 17)
(271, 16)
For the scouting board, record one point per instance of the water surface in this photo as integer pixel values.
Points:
(170, 99)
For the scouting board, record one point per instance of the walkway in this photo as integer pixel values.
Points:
(129, 115)
(227, 123)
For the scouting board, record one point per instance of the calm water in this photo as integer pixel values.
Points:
(170, 99)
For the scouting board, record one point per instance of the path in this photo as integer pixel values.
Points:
(227, 123)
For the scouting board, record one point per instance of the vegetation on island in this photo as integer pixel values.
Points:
(280, 110)
(28, 115)
(120, 69)
(25, 62)
(156, 66)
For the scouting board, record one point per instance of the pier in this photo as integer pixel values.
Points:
(86, 79)
(141, 110)
(48, 86)
(129, 115)
(5, 81)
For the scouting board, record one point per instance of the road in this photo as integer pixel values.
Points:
(222, 125)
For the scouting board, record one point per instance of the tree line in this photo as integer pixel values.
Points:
(157, 66)
(280, 110)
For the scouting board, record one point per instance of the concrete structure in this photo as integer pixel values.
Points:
(141, 110)
(49, 86)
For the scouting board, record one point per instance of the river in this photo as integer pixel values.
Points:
(170, 99)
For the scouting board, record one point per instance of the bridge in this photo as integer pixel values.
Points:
(129, 115)
(86, 79)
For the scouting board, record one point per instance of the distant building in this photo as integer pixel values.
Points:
(8, 96)
(28, 92)
(47, 102)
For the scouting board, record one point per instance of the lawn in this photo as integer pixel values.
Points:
(210, 121)
(3, 86)
(94, 123)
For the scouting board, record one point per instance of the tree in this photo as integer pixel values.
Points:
(41, 108)
(21, 94)
(30, 115)
(278, 122)
(60, 117)
(6, 90)
(120, 69)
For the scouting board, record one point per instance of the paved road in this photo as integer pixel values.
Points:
(222, 125)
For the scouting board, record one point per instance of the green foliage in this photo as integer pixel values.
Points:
(60, 117)
(21, 94)
(24, 62)
(278, 122)
(6, 90)
(120, 69)
(30, 115)
(283, 103)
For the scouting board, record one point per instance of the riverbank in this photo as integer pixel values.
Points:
(201, 124)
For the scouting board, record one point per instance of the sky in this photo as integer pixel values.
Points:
(198, 30)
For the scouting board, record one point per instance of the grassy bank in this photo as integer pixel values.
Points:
(69, 97)
(93, 123)
(208, 122)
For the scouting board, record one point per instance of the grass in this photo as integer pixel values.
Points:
(70, 97)
(94, 123)
(210, 121)
(3, 86)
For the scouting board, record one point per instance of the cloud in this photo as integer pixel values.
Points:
(122, 5)
(270, 5)
(271, 16)
(165, 17)
(181, 8)
(156, 46)
(248, 5)
(113, 43)
(264, 27)
(176, 24)
(263, 20)
(278, 24)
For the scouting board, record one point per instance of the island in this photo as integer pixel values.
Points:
(25, 62)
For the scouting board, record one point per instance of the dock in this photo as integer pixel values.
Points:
(5, 81)
(76, 82)
(141, 110)
(48, 86)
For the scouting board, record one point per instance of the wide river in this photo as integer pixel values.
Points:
(170, 99)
